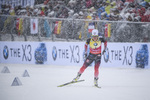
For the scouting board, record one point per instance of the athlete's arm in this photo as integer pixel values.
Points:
(86, 45)
(105, 44)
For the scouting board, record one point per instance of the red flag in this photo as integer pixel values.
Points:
(106, 30)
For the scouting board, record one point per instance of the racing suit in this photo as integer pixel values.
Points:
(94, 55)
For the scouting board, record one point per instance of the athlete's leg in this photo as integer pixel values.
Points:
(86, 63)
(97, 64)
(96, 69)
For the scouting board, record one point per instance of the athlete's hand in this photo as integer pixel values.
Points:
(103, 52)
(85, 55)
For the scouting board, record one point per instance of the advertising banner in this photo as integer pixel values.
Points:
(135, 55)
(126, 55)
(54, 53)
(67, 53)
(17, 52)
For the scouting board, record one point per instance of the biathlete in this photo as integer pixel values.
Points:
(95, 43)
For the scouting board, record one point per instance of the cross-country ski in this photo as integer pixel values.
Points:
(68, 83)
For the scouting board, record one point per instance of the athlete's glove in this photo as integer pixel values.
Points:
(85, 55)
(103, 52)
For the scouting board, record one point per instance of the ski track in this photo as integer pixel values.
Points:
(116, 83)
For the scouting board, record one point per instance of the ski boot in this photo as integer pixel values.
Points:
(96, 82)
(77, 77)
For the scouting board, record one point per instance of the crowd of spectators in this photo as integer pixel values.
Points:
(113, 10)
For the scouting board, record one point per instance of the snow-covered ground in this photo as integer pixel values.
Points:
(116, 83)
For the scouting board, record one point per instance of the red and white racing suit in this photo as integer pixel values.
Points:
(94, 55)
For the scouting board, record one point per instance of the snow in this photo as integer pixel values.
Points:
(117, 83)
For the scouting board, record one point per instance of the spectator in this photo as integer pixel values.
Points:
(101, 10)
(108, 10)
(88, 3)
